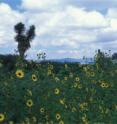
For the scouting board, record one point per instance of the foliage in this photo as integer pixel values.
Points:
(114, 56)
(8, 61)
(24, 38)
(54, 93)
(41, 56)
(103, 60)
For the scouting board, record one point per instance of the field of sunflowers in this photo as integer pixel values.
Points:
(55, 93)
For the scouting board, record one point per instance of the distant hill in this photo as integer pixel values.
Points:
(73, 60)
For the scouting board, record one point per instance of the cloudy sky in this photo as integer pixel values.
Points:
(64, 28)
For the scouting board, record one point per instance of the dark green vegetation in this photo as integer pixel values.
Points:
(24, 38)
(54, 93)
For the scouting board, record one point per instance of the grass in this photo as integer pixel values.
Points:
(54, 93)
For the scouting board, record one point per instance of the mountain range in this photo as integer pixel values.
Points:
(73, 60)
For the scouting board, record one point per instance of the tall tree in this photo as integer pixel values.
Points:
(24, 38)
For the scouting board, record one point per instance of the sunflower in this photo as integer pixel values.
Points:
(49, 72)
(83, 106)
(58, 116)
(77, 79)
(11, 122)
(57, 91)
(74, 109)
(2, 117)
(34, 119)
(34, 77)
(42, 110)
(71, 75)
(79, 86)
(92, 74)
(29, 103)
(19, 73)
(75, 85)
(61, 122)
(104, 85)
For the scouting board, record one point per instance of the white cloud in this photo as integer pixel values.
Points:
(8, 18)
(82, 18)
(112, 13)
(68, 32)
(39, 4)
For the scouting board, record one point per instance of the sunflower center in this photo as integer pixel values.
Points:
(19, 74)
(29, 102)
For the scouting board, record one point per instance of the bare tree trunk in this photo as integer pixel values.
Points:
(21, 52)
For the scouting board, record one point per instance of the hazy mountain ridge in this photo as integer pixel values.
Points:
(73, 60)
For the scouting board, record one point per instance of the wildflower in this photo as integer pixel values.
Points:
(115, 107)
(107, 111)
(79, 65)
(34, 77)
(97, 65)
(85, 69)
(75, 85)
(1, 65)
(74, 109)
(93, 81)
(65, 78)
(23, 122)
(57, 79)
(62, 101)
(84, 119)
(71, 75)
(104, 85)
(29, 103)
(91, 99)
(34, 119)
(58, 116)
(51, 67)
(11, 122)
(83, 106)
(53, 75)
(92, 74)
(49, 72)
(61, 122)
(27, 120)
(51, 122)
(42, 110)
(57, 91)
(77, 79)
(19, 73)
(79, 86)
(66, 106)
(88, 74)
(29, 92)
(2, 117)
(66, 66)
(46, 117)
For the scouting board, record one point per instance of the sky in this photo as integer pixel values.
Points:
(64, 28)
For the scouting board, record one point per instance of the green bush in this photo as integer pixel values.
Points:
(54, 93)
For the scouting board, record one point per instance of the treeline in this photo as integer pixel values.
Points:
(9, 61)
